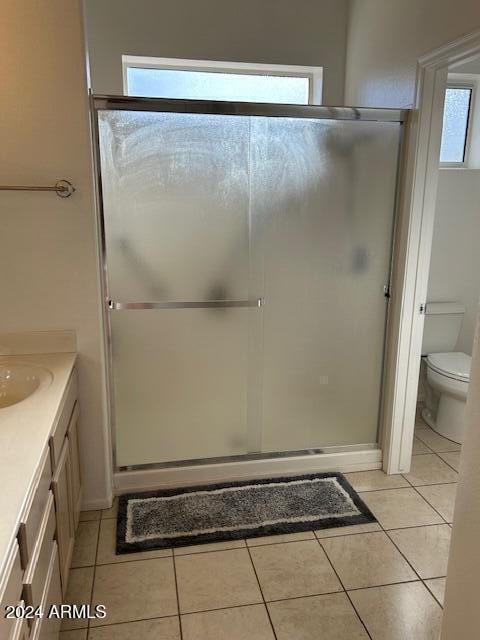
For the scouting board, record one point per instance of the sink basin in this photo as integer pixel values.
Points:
(19, 380)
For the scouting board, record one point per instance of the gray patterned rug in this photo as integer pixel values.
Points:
(234, 510)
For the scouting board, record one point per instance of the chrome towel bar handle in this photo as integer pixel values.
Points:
(188, 304)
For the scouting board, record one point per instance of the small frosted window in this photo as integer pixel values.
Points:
(207, 85)
(455, 124)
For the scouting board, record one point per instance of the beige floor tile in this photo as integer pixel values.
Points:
(373, 480)
(216, 580)
(367, 560)
(213, 546)
(135, 590)
(333, 532)
(240, 623)
(452, 458)
(397, 508)
(441, 497)
(112, 512)
(86, 516)
(79, 592)
(435, 441)
(399, 612)
(158, 629)
(426, 548)
(293, 569)
(284, 537)
(85, 547)
(77, 634)
(429, 469)
(419, 447)
(327, 617)
(107, 542)
(437, 587)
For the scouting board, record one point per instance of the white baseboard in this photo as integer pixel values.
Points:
(151, 479)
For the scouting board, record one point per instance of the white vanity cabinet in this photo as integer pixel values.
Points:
(37, 573)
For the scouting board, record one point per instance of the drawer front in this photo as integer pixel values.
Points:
(60, 430)
(49, 628)
(30, 524)
(37, 570)
(62, 492)
(21, 630)
(76, 489)
(10, 592)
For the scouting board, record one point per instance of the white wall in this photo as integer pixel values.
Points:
(455, 261)
(48, 261)
(303, 32)
(386, 38)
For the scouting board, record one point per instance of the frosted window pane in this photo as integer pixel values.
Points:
(204, 85)
(455, 124)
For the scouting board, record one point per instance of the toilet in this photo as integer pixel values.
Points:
(448, 371)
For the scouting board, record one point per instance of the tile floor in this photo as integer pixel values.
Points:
(380, 581)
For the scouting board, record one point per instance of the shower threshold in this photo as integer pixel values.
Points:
(247, 457)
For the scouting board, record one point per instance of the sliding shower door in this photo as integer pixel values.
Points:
(323, 192)
(245, 259)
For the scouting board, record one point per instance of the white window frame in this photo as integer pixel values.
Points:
(314, 74)
(452, 83)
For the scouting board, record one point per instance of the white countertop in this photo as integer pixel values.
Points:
(25, 428)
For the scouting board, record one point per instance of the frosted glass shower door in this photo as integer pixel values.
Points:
(176, 216)
(246, 259)
(323, 194)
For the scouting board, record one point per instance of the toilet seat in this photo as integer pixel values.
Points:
(455, 365)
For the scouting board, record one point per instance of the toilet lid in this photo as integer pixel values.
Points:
(453, 365)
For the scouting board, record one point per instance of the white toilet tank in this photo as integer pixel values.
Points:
(442, 326)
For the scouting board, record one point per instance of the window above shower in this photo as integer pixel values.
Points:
(214, 80)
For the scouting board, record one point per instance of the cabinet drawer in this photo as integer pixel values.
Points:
(10, 592)
(21, 630)
(60, 431)
(75, 480)
(37, 570)
(28, 531)
(61, 485)
(48, 628)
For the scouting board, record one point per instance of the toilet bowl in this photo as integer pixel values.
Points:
(448, 377)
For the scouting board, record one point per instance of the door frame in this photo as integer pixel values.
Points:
(413, 248)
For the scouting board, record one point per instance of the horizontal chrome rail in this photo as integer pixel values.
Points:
(188, 304)
(218, 107)
(62, 188)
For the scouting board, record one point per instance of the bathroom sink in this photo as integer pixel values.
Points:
(19, 380)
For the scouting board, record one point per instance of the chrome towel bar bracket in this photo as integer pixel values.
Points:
(63, 188)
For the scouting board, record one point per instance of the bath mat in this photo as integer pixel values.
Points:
(235, 510)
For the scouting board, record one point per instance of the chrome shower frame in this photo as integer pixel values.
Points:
(314, 112)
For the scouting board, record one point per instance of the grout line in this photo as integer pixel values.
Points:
(116, 624)
(431, 592)
(196, 553)
(423, 497)
(430, 505)
(344, 590)
(94, 574)
(178, 598)
(261, 592)
(448, 463)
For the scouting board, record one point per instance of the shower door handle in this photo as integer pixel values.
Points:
(188, 304)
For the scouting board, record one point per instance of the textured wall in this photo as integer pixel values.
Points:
(48, 258)
(305, 32)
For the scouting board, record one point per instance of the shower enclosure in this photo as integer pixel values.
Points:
(247, 248)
